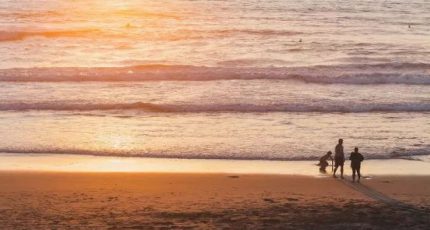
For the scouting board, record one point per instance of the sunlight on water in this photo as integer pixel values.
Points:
(287, 136)
(211, 33)
(236, 79)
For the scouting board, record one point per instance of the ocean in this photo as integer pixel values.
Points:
(215, 79)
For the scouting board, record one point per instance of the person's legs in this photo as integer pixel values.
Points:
(341, 171)
(334, 172)
(336, 165)
(323, 165)
(359, 174)
(353, 174)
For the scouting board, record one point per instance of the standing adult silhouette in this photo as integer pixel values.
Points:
(356, 159)
(339, 158)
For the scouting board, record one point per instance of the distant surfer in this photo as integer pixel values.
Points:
(356, 159)
(339, 158)
(324, 161)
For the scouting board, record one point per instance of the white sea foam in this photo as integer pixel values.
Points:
(389, 73)
(324, 107)
(199, 155)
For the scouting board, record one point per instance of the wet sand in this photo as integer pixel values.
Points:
(41, 200)
(87, 163)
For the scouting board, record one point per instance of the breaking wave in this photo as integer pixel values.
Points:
(389, 73)
(200, 155)
(326, 107)
(21, 35)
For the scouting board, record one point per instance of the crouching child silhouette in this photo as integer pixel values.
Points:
(356, 159)
(323, 162)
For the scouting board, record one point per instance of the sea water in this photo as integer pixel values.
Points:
(237, 79)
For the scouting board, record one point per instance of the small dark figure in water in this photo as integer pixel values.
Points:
(356, 159)
(339, 158)
(323, 161)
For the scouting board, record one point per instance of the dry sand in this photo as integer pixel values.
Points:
(31, 200)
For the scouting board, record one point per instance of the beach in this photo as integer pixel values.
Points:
(91, 192)
(42, 200)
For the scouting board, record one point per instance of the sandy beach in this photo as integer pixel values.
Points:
(50, 200)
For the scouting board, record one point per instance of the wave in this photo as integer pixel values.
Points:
(386, 73)
(198, 155)
(262, 32)
(17, 35)
(210, 34)
(21, 35)
(326, 107)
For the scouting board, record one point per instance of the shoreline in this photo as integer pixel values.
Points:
(87, 163)
(64, 200)
(91, 192)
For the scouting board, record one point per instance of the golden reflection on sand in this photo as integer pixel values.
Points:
(84, 163)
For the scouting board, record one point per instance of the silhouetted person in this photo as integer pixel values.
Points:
(356, 159)
(323, 161)
(339, 158)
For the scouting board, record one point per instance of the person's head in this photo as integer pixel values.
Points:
(329, 153)
(340, 141)
(356, 149)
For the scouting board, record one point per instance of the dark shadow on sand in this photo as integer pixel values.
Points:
(375, 195)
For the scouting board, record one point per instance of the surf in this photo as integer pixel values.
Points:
(355, 74)
(323, 107)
